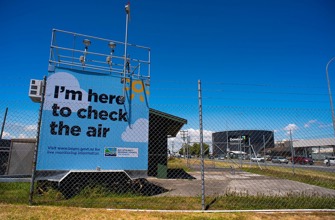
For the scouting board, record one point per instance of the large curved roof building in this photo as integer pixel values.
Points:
(248, 141)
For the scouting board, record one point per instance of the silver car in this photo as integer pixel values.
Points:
(279, 159)
(258, 159)
(329, 161)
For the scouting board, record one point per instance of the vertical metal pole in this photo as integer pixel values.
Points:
(3, 123)
(184, 135)
(240, 149)
(188, 154)
(292, 152)
(53, 36)
(173, 148)
(319, 156)
(32, 182)
(201, 148)
(149, 59)
(227, 150)
(188, 142)
(264, 149)
(250, 152)
(74, 47)
(127, 8)
(330, 93)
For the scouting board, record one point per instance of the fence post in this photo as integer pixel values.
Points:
(32, 181)
(292, 152)
(3, 123)
(201, 148)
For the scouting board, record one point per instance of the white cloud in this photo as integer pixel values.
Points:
(321, 125)
(7, 135)
(290, 128)
(309, 123)
(137, 132)
(30, 128)
(17, 130)
(194, 137)
(22, 136)
(70, 83)
(318, 123)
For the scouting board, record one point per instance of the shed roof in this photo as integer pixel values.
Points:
(171, 123)
(324, 142)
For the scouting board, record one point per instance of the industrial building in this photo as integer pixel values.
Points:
(242, 142)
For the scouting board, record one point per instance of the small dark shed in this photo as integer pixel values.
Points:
(161, 125)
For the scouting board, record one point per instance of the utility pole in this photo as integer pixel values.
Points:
(172, 148)
(201, 137)
(330, 97)
(184, 134)
(292, 152)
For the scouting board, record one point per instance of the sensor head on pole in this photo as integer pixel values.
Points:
(86, 42)
(112, 45)
(127, 7)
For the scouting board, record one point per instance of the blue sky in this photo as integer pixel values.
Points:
(259, 53)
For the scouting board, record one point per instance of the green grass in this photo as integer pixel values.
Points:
(176, 163)
(230, 201)
(14, 193)
(99, 197)
(234, 202)
(54, 212)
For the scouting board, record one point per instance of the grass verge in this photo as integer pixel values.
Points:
(100, 198)
(47, 212)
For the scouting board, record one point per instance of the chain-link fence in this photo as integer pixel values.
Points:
(249, 157)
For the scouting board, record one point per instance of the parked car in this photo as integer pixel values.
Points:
(258, 159)
(302, 160)
(221, 158)
(329, 161)
(245, 157)
(210, 157)
(279, 159)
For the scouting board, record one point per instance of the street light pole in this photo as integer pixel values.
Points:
(330, 93)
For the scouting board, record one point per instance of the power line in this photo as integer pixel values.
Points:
(260, 85)
(266, 92)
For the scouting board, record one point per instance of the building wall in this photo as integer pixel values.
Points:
(240, 140)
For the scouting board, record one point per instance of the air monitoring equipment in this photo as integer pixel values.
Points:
(35, 90)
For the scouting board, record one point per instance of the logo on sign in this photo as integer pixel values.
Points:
(110, 152)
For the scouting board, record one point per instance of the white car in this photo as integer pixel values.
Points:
(279, 159)
(329, 161)
(258, 159)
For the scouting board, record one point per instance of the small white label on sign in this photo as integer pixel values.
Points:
(127, 152)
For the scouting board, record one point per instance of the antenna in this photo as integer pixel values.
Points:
(126, 61)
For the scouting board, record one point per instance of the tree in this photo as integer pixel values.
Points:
(195, 149)
(181, 151)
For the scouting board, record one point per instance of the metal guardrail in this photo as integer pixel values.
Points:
(98, 55)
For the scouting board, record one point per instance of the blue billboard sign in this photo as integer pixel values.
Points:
(92, 121)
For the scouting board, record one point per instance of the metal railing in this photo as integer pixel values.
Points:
(98, 56)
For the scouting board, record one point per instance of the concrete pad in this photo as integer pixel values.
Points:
(243, 183)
